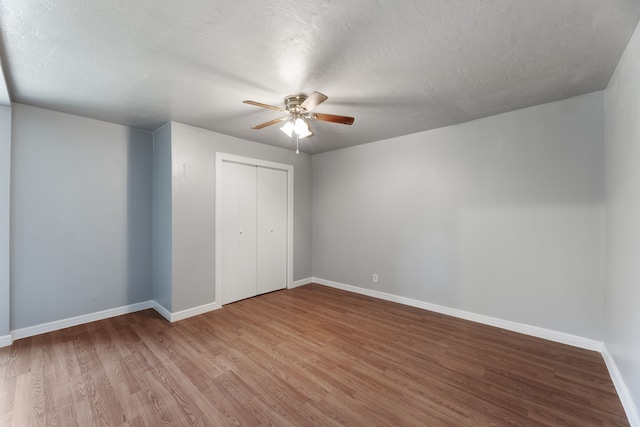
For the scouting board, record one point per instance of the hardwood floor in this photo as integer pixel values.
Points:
(310, 356)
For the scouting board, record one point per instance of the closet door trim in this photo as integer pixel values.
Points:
(224, 157)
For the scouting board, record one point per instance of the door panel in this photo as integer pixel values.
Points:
(271, 230)
(239, 241)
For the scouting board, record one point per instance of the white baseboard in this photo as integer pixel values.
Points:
(190, 312)
(163, 311)
(5, 341)
(621, 388)
(78, 320)
(105, 314)
(548, 334)
(299, 283)
(184, 314)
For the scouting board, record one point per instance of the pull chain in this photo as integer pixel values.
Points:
(297, 143)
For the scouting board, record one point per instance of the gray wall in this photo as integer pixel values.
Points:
(622, 296)
(5, 204)
(80, 216)
(503, 216)
(193, 151)
(161, 221)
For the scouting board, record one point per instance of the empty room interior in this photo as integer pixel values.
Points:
(320, 213)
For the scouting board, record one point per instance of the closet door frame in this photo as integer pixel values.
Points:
(224, 157)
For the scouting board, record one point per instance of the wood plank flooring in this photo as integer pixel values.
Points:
(310, 356)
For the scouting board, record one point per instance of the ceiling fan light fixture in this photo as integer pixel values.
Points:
(288, 129)
(301, 128)
(305, 134)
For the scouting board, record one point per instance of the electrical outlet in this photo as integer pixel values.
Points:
(375, 278)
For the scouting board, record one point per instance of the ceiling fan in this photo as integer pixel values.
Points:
(298, 109)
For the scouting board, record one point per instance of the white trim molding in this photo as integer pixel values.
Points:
(190, 312)
(105, 314)
(548, 334)
(5, 341)
(161, 310)
(78, 320)
(621, 388)
(301, 282)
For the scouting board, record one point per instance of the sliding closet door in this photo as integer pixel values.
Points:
(272, 229)
(239, 240)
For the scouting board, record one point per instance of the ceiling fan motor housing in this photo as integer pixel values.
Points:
(293, 105)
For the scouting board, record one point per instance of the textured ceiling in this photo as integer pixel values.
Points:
(397, 67)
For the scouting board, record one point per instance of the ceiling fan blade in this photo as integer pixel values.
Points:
(260, 104)
(315, 99)
(271, 122)
(333, 119)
